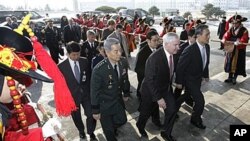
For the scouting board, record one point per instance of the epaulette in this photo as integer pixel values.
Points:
(101, 63)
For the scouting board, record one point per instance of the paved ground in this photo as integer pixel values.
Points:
(226, 104)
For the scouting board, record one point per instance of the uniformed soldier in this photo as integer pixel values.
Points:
(109, 89)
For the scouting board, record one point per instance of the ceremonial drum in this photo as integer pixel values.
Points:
(228, 47)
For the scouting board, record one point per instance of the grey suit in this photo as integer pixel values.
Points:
(123, 41)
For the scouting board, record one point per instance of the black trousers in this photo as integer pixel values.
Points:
(110, 122)
(199, 102)
(170, 113)
(90, 121)
(54, 52)
(148, 109)
(180, 98)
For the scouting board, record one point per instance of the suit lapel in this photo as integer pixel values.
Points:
(111, 69)
(70, 70)
(164, 58)
(81, 69)
(121, 69)
(198, 52)
(165, 63)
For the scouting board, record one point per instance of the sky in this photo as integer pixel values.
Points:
(55, 4)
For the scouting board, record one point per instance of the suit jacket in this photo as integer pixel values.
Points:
(190, 66)
(141, 59)
(107, 89)
(156, 83)
(221, 29)
(178, 54)
(88, 51)
(184, 35)
(52, 37)
(73, 34)
(124, 42)
(106, 32)
(80, 91)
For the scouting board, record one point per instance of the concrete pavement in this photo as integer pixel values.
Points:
(226, 104)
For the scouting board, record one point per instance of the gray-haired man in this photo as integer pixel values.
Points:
(157, 88)
(109, 88)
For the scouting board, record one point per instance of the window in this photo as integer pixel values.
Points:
(5, 13)
(130, 12)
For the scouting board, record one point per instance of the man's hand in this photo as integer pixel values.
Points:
(162, 103)
(96, 116)
(179, 86)
(125, 98)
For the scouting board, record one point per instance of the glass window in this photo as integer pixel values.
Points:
(5, 13)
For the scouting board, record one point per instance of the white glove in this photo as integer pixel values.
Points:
(236, 43)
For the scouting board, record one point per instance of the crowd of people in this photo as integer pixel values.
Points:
(96, 68)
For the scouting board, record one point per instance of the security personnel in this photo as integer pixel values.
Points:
(109, 89)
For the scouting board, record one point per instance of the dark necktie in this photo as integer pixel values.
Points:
(77, 72)
(171, 65)
(116, 71)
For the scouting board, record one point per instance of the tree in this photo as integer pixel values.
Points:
(218, 12)
(186, 14)
(19, 8)
(47, 8)
(121, 7)
(2, 7)
(64, 9)
(106, 9)
(154, 10)
(208, 10)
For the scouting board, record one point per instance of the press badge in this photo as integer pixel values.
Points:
(84, 76)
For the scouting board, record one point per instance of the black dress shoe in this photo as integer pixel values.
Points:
(116, 132)
(167, 137)
(234, 81)
(198, 124)
(229, 80)
(142, 132)
(92, 137)
(82, 136)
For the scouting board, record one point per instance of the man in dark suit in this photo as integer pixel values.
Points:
(157, 86)
(99, 57)
(72, 32)
(184, 33)
(89, 47)
(141, 58)
(192, 67)
(221, 31)
(52, 36)
(109, 89)
(110, 29)
(76, 72)
(186, 96)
